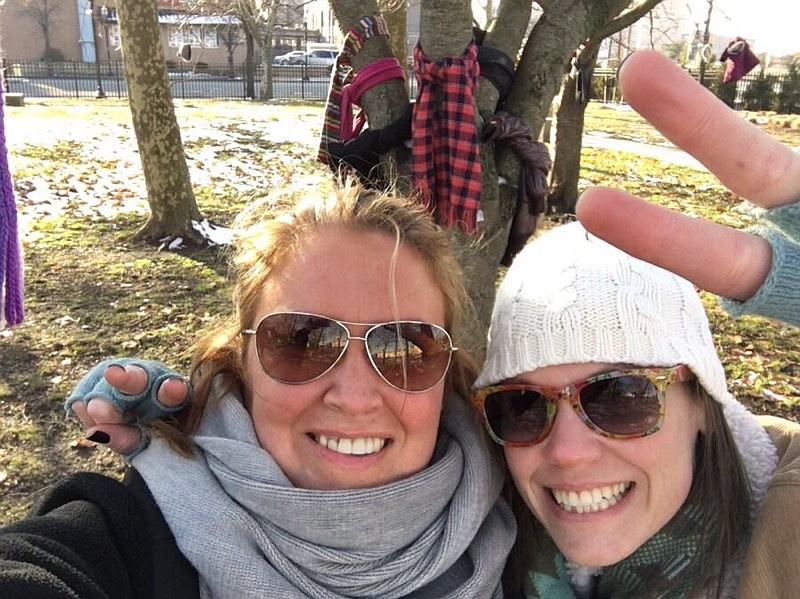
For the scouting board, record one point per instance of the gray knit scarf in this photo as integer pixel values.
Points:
(440, 533)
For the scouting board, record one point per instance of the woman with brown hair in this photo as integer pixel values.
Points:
(634, 472)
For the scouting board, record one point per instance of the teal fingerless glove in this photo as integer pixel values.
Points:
(779, 295)
(785, 218)
(145, 406)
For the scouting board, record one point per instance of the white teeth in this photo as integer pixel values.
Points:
(591, 500)
(357, 446)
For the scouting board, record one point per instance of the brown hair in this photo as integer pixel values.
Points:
(274, 232)
(719, 486)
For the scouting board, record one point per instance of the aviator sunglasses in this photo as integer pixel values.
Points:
(620, 405)
(297, 347)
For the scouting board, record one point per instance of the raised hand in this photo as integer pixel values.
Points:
(748, 161)
(117, 398)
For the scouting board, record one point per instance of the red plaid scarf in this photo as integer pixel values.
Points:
(366, 28)
(445, 151)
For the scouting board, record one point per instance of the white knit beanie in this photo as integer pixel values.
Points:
(570, 297)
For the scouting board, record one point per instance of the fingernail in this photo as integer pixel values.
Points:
(623, 61)
(99, 437)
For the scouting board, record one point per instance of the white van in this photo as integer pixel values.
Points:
(325, 58)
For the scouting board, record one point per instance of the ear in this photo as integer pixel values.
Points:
(700, 415)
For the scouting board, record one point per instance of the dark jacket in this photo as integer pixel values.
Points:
(92, 537)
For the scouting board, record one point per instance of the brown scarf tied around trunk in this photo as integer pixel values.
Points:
(534, 168)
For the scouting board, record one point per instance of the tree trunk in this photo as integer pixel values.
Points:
(575, 98)
(384, 103)
(396, 15)
(446, 30)
(169, 190)
(249, 67)
(266, 91)
(566, 170)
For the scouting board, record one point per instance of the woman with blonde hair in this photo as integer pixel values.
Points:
(328, 450)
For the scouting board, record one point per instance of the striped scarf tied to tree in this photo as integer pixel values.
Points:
(343, 74)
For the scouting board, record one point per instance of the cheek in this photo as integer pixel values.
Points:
(273, 410)
(671, 470)
(522, 463)
(683, 465)
(251, 374)
(671, 481)
(419, 416)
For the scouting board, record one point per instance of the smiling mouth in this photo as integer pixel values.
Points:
(354, 446)
(597, 499)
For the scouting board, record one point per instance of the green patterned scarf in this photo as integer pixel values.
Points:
(669, 564)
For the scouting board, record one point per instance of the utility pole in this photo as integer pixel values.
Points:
(100, 91)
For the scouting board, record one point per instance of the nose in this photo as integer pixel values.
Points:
(353, 386)
(570, 442)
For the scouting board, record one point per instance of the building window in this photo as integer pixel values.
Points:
(210, 37)
(194, 35)
(113, 36)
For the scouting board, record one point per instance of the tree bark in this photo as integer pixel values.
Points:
(566, 171)
(169, 190)
(396, 14)
(570, 119)
(249, 67)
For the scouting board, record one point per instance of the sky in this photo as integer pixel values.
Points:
(770, 25)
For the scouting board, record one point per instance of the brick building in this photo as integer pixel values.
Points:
(87, 30)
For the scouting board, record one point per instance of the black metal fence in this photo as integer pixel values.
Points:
(757, 91)
(187, 81)
(38, 79)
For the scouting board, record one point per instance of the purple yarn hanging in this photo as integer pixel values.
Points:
(10, 258)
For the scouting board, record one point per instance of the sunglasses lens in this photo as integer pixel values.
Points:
(297, 348)
(516, 416)
(411, 356)
(623, 405)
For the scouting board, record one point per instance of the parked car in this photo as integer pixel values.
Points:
(293, 57)
(325, 58)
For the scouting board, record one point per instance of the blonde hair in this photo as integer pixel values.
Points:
(273, 233)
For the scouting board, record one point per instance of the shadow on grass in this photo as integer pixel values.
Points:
(91, 294)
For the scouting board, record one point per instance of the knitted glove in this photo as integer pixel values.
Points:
(779, 295)
(144, 406)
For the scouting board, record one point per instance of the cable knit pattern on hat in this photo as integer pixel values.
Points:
(590, 302)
